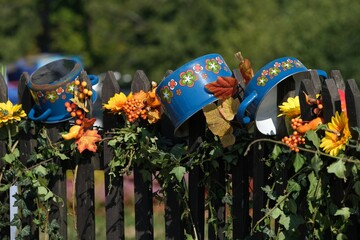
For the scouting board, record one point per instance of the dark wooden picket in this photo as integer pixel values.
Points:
(249, 167)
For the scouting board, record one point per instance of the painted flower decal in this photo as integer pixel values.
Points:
(265, 72)
(212, 65)
(70, 87)
(59, 90)
(274, 71)
(338, 135)
(178, 92)
(39, 94)
(166, 94)
(188, 78)
(172, 84)
(198, 68)
(51, 96)
(262, 80)
(10, 113)
(286, 65)
(290, 108)
(219, 60)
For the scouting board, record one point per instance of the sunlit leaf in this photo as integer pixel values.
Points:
(245, 67)
(228, 108)
(298, 162)
(338, 168)
(216, 123)
(79, 103)
(223, 87)
(179, 172)
(88, 141)
(345, 212)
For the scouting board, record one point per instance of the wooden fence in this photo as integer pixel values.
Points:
(249, 167)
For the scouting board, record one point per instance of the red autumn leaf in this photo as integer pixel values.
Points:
(223, 87)
(245, 67)
(88, 141)
(87, 123)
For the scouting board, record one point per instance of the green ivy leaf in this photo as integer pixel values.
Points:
(357, 187)
(338, 168)
(179, 172)
(293, 186)
(269, 192)
(314, 191)
(345, 212)
(276, 213)
(41, 170)
(316, 163)
(285, 221)
(313, 137)
(9, 158)
(276, 152)
(299, 161)
(4, 187)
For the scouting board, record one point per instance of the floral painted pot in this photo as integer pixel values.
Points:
(260, 96)
(51, 86)
(183, 92)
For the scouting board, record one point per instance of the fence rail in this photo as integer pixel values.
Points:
(250, 167)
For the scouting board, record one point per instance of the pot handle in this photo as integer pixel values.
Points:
(42, 117)
(243, 106)
(93, 79)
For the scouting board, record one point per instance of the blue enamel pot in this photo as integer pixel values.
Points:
(259, 102)
(51, 86)
(183, 92)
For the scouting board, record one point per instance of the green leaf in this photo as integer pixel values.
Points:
(357, 187)
(338, 168)
(4, 187)
(41, 170)
(285, 221)
(341, 236)
(179, 172)
(269, 192)
(314, 191)
(345, 212)
(316, 163)
(42, 191)
(276, 152)
(313, 137)
(293, 186)
(276, 213)
(299, 161)
(9, 158)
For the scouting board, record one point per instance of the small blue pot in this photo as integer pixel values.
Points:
(51, 86)
(260, 96)
(183, 92)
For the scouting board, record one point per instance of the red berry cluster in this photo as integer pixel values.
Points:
(134, 108)
(296, 139)
(82, 93)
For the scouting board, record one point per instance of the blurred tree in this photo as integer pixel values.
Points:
(19, 27)
(129, 35)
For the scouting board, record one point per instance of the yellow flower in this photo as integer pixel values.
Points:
(337, 136)
(116, 103)
(290, 108)
(10, 113)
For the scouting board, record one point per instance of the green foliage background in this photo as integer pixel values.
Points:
(157, 35)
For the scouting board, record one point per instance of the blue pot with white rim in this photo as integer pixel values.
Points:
(183, 92)
(51, 86)
(260, 100)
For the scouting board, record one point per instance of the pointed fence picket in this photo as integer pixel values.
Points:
(248, 169)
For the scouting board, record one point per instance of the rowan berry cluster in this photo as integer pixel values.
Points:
(82, 93)
(134, 108)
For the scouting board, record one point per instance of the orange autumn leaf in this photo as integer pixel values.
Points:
(223, 87)
(245, 67)
(88, 141)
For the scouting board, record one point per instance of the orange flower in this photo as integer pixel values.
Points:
(152, 100)
(116, 103)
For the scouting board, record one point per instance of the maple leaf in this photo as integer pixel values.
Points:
(88, 141)
(223, 87)
(245, 67)
(86, 123)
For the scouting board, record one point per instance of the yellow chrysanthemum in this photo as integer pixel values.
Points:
(10, 113)
(116, 103)
(338, 135)
(290, 108)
